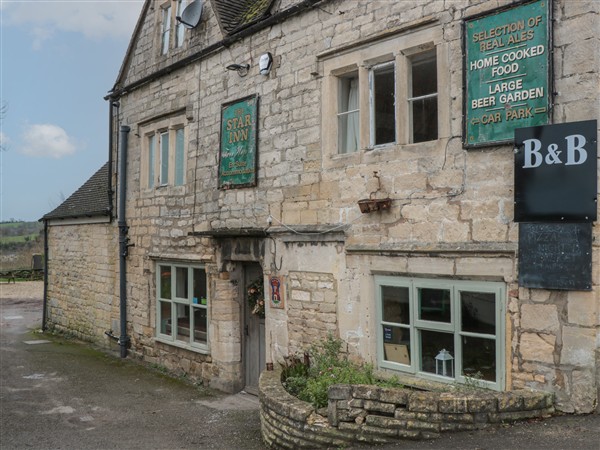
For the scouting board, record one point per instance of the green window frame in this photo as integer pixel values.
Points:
(441, 329)
(182, 306)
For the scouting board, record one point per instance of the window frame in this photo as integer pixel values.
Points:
(180, 5)
(455, 326)
(362, 56)
(166, 19)
(349, 76)
(174, 300)
(380, 67)
(157, 171)
(172, 32)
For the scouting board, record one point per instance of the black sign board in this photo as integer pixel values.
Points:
(555, 256)
(556, 173)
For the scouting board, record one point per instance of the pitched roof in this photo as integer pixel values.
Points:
(234, 15)
(91, 199)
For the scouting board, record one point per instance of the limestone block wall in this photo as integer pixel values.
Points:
(376, 415)
(82, 280)
(445, 199)
(312, 308)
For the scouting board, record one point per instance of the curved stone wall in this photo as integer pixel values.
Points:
(372, 414)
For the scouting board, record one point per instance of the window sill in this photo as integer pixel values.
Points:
(204, 350)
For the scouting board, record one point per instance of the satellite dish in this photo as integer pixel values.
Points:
(192, 14)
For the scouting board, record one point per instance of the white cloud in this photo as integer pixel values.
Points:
(4, 140)
(94, 19)
(46, 140)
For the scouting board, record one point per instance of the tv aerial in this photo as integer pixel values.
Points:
(191, 15)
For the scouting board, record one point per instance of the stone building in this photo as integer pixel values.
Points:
(319, 151)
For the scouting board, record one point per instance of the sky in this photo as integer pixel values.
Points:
(58, 59)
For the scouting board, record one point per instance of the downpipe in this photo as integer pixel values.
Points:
(123, 239)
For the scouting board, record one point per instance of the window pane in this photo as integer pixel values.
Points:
(424, 74)
(151, 159)
(396, 344)
(479, 358)
(200, 325)
(165, 282)
(183, 322)
(384, 116)
(200, 296)
(478, 312)
(434, 305)
(348, 114)
(424, 123)
(395, 304)
(424, 119)
(432, 345)
(181, 282)
(166, 29)
(179, 160)
(165, 318)
(164, 158)
(181, 4)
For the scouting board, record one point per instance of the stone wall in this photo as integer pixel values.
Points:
(312, 308)
(376, 415)
(83, 280)
(452, 209)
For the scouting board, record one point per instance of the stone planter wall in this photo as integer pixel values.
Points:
(374, 414)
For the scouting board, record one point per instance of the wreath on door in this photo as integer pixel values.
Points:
(256, 297)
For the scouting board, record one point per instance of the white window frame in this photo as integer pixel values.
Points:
(416, 325)
(346, 114)
(179, 27)
(166, 13)
(190, 301)
(164, 168)
(372, 113)
(172, 32)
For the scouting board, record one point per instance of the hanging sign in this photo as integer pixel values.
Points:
(556, 178)
(506, 72)
(238, 155)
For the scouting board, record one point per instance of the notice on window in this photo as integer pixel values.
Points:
(506, 71)
(237, 157)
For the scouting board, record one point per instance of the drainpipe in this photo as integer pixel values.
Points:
(112, 105)
(123, 239)
(45, 303)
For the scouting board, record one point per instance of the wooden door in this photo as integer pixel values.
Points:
(254, 333)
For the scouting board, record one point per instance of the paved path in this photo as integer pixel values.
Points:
(56, 394)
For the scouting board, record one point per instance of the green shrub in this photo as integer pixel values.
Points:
(309, 378)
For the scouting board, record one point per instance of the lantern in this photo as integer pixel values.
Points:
(443, 364)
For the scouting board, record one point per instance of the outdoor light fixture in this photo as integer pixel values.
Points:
(241, 69)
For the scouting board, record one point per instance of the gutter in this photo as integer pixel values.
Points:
(213, 48)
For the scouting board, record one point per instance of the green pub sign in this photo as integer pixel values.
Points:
(237, 155)
(506, 72)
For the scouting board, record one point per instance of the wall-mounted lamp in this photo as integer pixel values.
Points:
(264, 63)
(241, 69)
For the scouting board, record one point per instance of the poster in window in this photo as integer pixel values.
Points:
(238, 146)
(276, 297)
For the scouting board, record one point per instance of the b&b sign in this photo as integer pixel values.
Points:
(556, 172)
